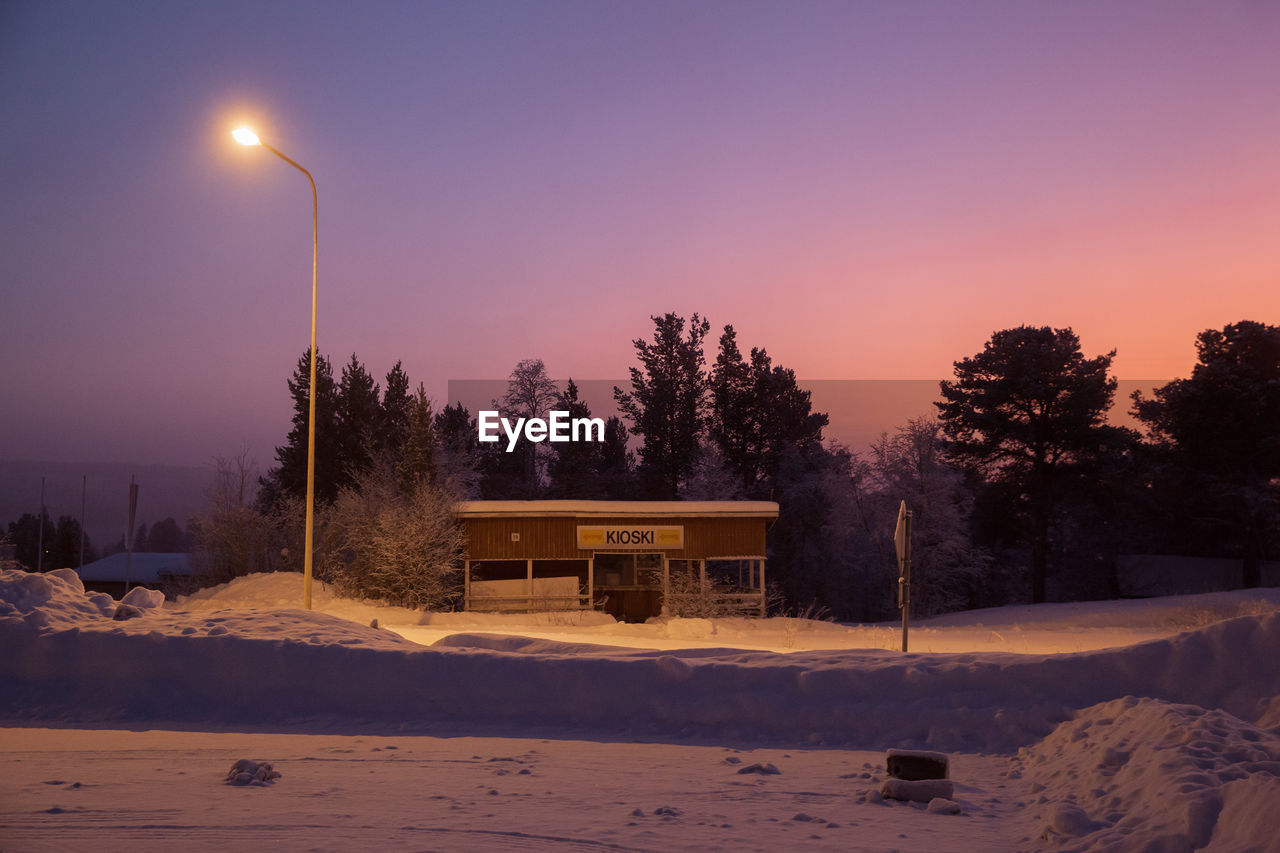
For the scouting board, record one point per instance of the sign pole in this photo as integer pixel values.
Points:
(902, 544)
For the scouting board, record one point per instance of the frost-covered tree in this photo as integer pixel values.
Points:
(457, 464)
(394, 545)
(519, 474)
(712, 478)
(233, 536)
(947, 571)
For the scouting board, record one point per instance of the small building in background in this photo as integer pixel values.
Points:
(631, 559)
(155, 571)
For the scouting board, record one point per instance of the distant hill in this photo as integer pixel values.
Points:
(163, 491)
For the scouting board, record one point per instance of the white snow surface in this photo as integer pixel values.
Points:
(1122, 733)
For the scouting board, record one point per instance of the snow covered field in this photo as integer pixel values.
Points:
(569, 731)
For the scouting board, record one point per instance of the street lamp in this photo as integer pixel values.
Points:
(246, 136)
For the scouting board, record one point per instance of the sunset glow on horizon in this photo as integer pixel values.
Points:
(867, 190)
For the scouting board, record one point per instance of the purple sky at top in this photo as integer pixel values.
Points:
(866, 189)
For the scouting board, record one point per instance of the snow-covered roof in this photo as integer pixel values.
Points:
(649, 509)
(143, 568)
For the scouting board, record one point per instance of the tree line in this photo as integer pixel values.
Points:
(62, 541)
(1020, 487)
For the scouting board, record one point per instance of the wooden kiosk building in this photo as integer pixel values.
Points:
(619, 556)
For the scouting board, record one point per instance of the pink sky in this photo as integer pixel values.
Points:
(866, 189)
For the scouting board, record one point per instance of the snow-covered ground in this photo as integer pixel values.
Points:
(1103, 726)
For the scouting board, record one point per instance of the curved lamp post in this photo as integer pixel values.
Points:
(246, 136)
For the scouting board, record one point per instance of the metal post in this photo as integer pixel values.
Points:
(308, 550)
(902, 537)
(764, 597)
(666, 586)
(40, 532)
(84, 488)
(133, 510)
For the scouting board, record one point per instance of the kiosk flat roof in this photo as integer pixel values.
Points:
(645, 509)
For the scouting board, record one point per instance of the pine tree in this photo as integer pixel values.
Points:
(1028, 412)
(167, 537)
(141, 541)
(64, 551)
(397, 401)
(757, 413)
(667, 402)
(1218, 435)
(289, 477)
(574, 468)
(733, 422)
(617, 462)
(359, 419)
(421, 445)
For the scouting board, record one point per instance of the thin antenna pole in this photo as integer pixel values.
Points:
(84, 489)
(40, 534)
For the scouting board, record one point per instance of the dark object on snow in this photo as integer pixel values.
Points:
(374, 623)
(126, 611)
(761, 769)
(246, 772)
(912, 764)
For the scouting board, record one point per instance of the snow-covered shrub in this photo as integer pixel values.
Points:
(390, 542)
(691, 595)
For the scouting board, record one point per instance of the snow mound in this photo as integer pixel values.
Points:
(283, 590)
(249, 772)
(1142, 774)
(51, 600)
(143, 598)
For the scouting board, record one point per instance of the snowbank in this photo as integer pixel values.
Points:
(1139, 774)
(1026, 629)
(296, 668)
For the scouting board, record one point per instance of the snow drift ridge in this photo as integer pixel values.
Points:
(990, 702)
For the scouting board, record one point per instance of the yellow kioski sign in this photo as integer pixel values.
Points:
(602, 538)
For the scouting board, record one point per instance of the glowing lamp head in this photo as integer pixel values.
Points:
(245, 136)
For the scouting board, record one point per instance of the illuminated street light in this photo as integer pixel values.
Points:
(246, 136)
